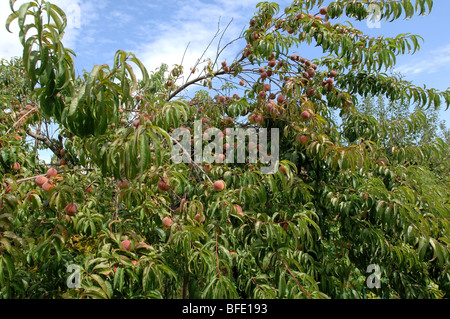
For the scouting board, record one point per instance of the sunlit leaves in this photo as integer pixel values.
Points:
(339, 200)
(371, 84)
(389, 10)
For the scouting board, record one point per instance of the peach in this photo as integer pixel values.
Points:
(219, 185)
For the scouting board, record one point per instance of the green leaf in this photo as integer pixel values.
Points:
(437, 251)
(144, 152)
(423, 243)
(57, 10)
(23, 11)
(101, 282)
(10, 19)
(119, 279)
(11, 4)
(76, 100)
(9, 265)
(2, 276)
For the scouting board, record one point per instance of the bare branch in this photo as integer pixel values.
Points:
(20, 119)
(44, 140)
(204, 52)
(220, 40)
(217, 257)
(184, 54)
(292, 275)
(192, 162)
(204, 77)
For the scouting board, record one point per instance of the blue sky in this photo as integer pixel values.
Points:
(159, 32)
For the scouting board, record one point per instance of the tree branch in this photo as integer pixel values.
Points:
(217, 258)
(44, 140)
(292, 275)
(184, 86)
(191, 161)
(20, 119)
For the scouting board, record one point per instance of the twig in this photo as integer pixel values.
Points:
(19, 120)
(184, 86)
(29, 178)
(191, 161)
(45, 140)
(287, 268)
(36, 142)
(204, 52)
(217, 257)
(262, 291)
(116, 213)
(36, 176)
(220, 40)
(220, 72)
(185, 50)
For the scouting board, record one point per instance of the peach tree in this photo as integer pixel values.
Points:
(135, 224)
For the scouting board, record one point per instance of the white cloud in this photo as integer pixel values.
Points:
(435, 62)
(194, 23)
(79, 13)
(10, 45)
(161, 38)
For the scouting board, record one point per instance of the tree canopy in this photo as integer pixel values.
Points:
(351, 192)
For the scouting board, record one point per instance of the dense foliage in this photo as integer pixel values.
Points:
(350, 192)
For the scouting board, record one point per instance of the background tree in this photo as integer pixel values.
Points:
(386, 112)
(140, 226)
